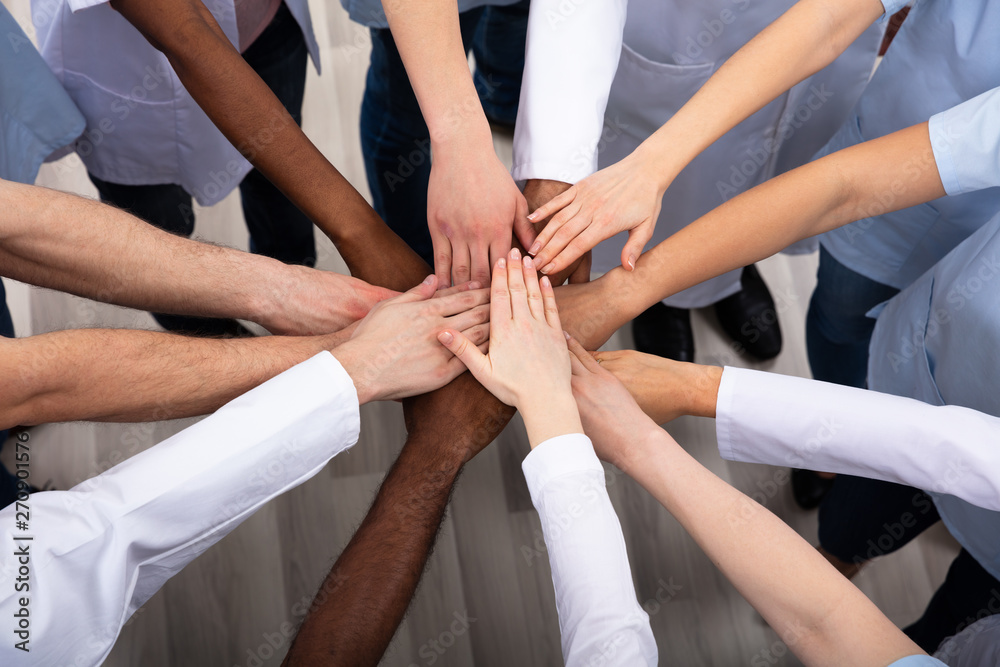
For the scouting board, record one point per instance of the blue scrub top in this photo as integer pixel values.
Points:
(939, 341)
(37, 117)
(946, 52)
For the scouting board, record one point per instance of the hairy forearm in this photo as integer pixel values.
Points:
(122, 375)
(885, 174)
(823, 618)
(804, 40)
(364, 598)
(251, 117)
(72, 244)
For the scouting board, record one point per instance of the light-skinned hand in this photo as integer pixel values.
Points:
(528, 364)
(538, 192)
(394, 351)
(473, 207)
(665, 389)
(610, 415)
(625, 196)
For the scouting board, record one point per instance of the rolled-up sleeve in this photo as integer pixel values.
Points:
(966, 144)
(600, 620)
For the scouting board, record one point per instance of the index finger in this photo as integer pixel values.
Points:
(551, 206)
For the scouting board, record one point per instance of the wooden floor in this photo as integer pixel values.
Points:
(228, 607)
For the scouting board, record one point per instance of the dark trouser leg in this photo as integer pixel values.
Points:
(8, 483)
(277, 227)
(837, 330)
(396, 143)
(968, 594)
(498, 47)
(861, 519)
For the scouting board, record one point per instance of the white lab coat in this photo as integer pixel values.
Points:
(99, 551)
(575, 119)
(789, 421)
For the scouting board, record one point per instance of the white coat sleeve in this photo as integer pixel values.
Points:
(790, 421)
(96, 553)
(600, 621)
(966, 144)
(571, 56)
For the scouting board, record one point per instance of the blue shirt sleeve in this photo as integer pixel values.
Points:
(892, 6)
(918, 661)
(966, 144)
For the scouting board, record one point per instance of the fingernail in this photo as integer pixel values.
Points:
(631, 262)
(548, 268)
(475, 284)
(501, 263)
(535, 248)
(546, 282)
(515, 254)
(429, 279)
(568, 337)
(532, 216)
(445, 337)
(529, 263)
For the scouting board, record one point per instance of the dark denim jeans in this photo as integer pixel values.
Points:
(837, 331)
(8, 483)
(394, 137)
(277, 227)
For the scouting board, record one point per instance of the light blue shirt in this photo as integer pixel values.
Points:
(939, 341)
(947, 52)
(918, 661)
(37, 117)
(370, 12)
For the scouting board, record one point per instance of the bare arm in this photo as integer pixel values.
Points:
(76, 245)
(252, 118)
(821, 616)
(121, 375)
(472, 202)
(885, 174)
(627, 195)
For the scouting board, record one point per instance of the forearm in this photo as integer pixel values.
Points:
(364, 598)
(121, 375)
(429, 40)
(251, 117)
(72, 244)
(804, 40)
(823, 618)
(886, 174)
(367, 592)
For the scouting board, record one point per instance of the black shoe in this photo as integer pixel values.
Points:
(809, 489)
(665, 332)
(750, 318)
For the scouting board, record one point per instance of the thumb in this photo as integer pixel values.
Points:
(467, 352)
(421, 292)
(637, 240)
(523, 229)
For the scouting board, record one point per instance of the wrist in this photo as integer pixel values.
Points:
(641, 447)
(363, 374)
(660, 156)
(462, 132)
(550, 416)
(704, 390)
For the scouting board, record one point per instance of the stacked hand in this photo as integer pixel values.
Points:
(528, 364)
(472, 207)
(623, 197)
(611, 417)
(394, 352)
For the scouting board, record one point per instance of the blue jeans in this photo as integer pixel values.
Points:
(8, 483)
(277, 227)
(837, 331)
(394, 137)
